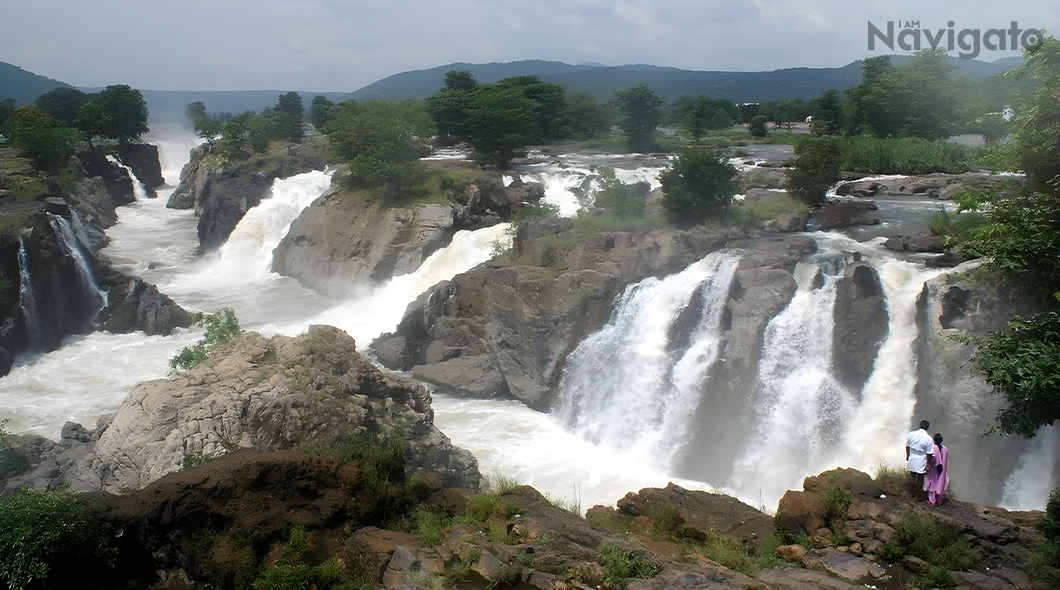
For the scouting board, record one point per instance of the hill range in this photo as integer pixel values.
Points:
(596, 80)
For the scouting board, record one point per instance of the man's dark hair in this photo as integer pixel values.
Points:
(938, 438)
(924, 424)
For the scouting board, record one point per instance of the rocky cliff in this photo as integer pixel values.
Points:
(48, 253)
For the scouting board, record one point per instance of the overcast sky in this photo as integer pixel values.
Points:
(343, 45)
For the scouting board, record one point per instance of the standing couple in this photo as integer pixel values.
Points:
(926, 457)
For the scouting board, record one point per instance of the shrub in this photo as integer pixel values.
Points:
(759, 126)
(698, 186)
(1047, 553)
(907, 155)
(220, 327)
(42, 531)
(815, 169)
(619, 564)
(836, 503)
(938, 543)
(620, 199)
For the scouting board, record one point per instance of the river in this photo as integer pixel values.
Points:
(594, 454)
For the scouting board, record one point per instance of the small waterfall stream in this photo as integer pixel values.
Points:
(27, 300)
(138, 187)
(93, 299)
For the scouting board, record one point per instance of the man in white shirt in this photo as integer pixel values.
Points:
(918, 448)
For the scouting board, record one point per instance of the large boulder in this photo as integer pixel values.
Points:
(271, 394)
(861, 324)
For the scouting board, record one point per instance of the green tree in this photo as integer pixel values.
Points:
(501, 121)
(587, 118)
(208, 129)
(42, 532)
(382, 142)
(696, 121)
(916, 99)
(62, 103)
(759, 126)
(639, 110)
(614, 196)
(827, 114)
(449, 106)
(1023, 365)
(699, 185)
(233, 143)
(320, 111)
(1021, 239)
(814, 169)
(7, 110)
(194, 111)
(291, 104)
(45, 140)
(91, 120)
(218, 328)
(126, 112)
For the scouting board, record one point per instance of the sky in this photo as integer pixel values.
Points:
(344, 45)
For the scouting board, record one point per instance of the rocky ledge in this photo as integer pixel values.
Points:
(271, 394)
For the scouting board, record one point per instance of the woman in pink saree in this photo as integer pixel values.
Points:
(936, 481)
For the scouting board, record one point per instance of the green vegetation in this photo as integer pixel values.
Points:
(916, 99)
(939, 543)
(759, 126)
(814, 170)
(1020, 240)
(49, 536)
(46, 141)
(617, 198)
(639, 114)
(1046, 554)
(220, 327)
(905, 156)
(619, 564)
(382, 144)
(700, 185)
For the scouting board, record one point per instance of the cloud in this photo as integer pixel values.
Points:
(342, 45)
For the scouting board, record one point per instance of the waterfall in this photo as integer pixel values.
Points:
(27, 300)
(800, 407)
(635, 385)
(93, 299)
(138, 187)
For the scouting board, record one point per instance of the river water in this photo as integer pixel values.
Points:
(592, 449)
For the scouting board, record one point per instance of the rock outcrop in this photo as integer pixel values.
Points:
(501, 330)
(939, 186)
(270, 394)
(221, 196)
(958, 403)
(341, 245)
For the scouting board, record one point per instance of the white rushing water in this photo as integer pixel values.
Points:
(630, 393)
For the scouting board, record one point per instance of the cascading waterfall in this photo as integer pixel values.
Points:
(94, 299)
(628, 386)
(27, 300)
(138, 187)
(800, 406)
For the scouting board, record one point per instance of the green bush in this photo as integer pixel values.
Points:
(939, 577)
(836, 503)
(907, 155)
(815, 168)
(619, 564)
(220, 327)
(44, 531)
(699, 185)
(1047, 553)
(938, 543)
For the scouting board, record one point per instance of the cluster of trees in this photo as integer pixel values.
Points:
(498, 120)
(48, 130)
(1022, 240)
(249, 132)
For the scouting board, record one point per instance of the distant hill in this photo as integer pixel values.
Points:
(24, 86)
(601, 81)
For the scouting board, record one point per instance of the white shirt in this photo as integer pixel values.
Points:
(920, 446)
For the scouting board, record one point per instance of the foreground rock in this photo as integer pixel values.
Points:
(271, 394)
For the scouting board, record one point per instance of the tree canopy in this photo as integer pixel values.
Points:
(639, 110)
(1021, 239)
(916, 99)
(125, 112)
(47, 141)
(700, 185)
